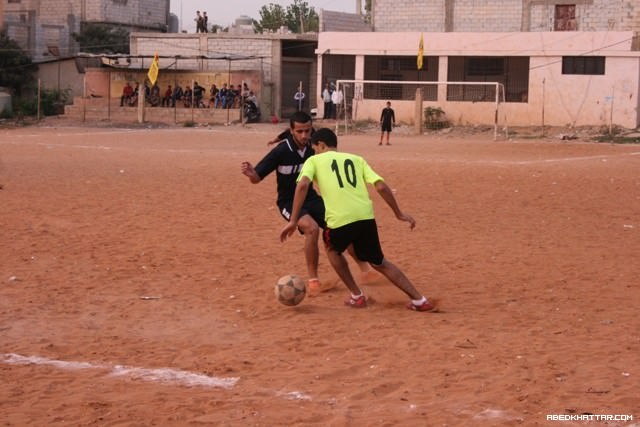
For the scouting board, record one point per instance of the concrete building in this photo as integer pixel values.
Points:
(557, 62)
(44, 28)
(274, 65)
(547, 62)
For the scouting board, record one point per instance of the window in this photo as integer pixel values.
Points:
(565, 18)
(589, 65)
(485, 66)
(397, 69)
(512, 72)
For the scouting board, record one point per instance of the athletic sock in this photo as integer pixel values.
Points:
(418, 302)
(356, 296)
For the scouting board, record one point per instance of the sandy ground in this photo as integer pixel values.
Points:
(137, 269)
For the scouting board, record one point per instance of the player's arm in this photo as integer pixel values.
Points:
(247, 169)
(282, 135)
(264, 167)
(387, 195)
(298, 199)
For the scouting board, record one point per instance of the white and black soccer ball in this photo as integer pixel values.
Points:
(290, 290)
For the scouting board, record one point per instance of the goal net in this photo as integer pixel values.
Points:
(460, 102)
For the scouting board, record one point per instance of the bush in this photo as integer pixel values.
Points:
(434, 118)
(52, 102)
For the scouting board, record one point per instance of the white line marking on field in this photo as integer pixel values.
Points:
(164, 375)
(295, 395)
(173, 376)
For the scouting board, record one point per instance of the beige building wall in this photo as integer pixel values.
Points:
(557, 98)
(501, 15)
(44, 28)
(262, 52)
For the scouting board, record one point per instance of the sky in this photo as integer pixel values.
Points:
(224, 12)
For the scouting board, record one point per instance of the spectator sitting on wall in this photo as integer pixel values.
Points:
(187, 97)
(166, 99)
(213, 92)
(177, 95)
(154, 96)
(198, 92)
(127, 94)
(221, 97)
(231, 95)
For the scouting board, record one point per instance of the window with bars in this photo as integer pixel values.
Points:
(398, 69)
(586, 65)
(565, 18)
(511, 72)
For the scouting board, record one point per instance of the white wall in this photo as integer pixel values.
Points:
(563, 99)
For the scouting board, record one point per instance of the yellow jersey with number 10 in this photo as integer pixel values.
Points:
(342, 179)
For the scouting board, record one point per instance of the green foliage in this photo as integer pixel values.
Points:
(6, 114)
(215, 28)
(434, 118)
(26, 107)
(298, 17)
(102, 38)
(272, 17)
(16, 69)
(367, 11)
(52, 101)
(301, 18)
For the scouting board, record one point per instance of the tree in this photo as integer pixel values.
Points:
(298, 17)
(16, 68)
(301, 18)
(367, 11)
(272, 17)
(215, 28)
(102, 38)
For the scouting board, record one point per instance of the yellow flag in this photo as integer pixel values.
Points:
(420, 52)
(153, 70)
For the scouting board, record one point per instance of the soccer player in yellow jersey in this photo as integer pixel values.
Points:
(342, 179)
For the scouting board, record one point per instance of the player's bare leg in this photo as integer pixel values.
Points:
(340, 265)
(398, 278)
(311, 232)
(366, 272)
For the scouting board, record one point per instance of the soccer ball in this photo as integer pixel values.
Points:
(290, 290)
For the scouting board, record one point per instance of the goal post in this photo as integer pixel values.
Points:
(359, 97)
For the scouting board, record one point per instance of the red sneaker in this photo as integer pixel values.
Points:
(425, 306)
(360, 302)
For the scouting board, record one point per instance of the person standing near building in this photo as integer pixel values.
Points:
(326, 97)
(336, 99)
(387, 122)
(199, 21)
(205, 22)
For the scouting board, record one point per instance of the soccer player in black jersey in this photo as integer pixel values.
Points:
(286, 159)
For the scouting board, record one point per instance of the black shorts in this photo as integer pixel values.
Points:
(313, 207)
(386, 127)
(362, 234)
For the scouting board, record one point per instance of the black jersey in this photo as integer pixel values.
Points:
(287, 160)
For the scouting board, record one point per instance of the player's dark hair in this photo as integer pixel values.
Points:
(325, 135)
(299, 117)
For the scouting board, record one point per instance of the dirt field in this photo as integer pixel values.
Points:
(137, 271)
